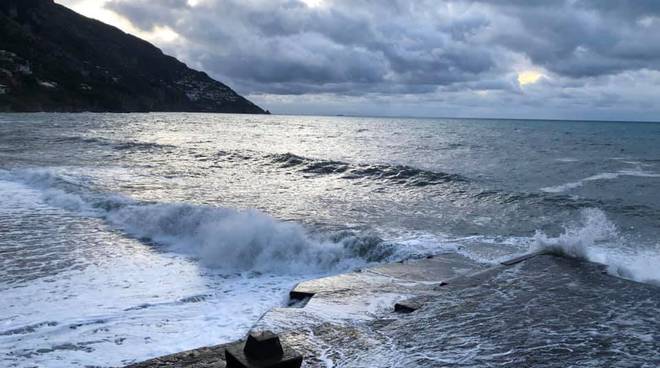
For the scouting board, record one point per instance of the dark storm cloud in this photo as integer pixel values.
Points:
(369, 47)
(271, 45)
(583, 38)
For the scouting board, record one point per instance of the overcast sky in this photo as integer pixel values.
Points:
(581, 59)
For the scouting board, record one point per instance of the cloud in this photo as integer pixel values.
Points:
(435, 51)
(582, 38)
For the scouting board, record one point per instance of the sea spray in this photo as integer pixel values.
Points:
(246, 240)
(577, 240)
(595, 238)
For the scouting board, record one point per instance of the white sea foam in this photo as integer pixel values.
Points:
(139, 303)
(602, 176)
(595, 238)
(131, 307)
(241, 240)
(249, 240)
(234, 240)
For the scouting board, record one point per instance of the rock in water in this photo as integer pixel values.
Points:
(53, 59)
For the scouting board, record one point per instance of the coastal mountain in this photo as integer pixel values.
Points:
(53, 59)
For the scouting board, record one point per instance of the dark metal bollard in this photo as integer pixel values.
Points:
(261, 350)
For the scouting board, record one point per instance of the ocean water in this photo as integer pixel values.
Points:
(128, 236)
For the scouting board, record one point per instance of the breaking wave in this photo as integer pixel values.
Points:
(396, 174)
(245, 240)
(249, 240)
(226, 238)
(399, 174)
(595, 238)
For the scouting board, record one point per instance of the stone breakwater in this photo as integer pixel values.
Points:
(536, 310)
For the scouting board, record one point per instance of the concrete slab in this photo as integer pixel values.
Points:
(536, 309)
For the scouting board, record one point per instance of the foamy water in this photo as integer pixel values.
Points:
(598, 177)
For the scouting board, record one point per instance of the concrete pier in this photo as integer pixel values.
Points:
(537, 309)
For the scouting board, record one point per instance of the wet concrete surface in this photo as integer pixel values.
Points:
(542, 310)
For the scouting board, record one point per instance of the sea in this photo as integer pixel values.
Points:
(129, 236)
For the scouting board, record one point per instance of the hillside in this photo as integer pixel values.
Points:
(53, 59)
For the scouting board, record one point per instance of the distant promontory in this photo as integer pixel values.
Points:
(53, 59)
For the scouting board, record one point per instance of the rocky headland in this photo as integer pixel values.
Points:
(55, 60)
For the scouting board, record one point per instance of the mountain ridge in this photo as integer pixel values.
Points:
(56, 60)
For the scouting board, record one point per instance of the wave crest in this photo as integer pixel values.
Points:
(599, 177)
(399, 174)
(245, 240)
(595, 238)
(575, 241)
(114, 144)
(230, 239)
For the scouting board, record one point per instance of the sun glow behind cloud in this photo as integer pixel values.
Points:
(314, 3)
(528, 77)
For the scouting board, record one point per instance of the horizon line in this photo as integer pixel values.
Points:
(342, 115)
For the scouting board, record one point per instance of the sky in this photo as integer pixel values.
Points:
(563, 59)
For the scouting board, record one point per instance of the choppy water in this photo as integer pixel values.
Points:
(124, 237)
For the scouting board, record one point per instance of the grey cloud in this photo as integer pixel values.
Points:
(424, 48)
(582, 38)
(155, 13)
(265, 43)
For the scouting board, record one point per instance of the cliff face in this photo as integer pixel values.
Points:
(53, 59)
